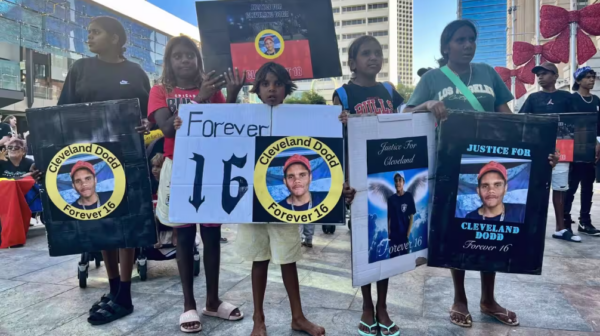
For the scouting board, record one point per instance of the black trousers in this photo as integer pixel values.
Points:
(584, 173)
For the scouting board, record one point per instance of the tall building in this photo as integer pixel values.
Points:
(56, 32)
(489, 17)
(389, 21)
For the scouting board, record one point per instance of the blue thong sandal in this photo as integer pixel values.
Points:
(362, 333)
(389, 329)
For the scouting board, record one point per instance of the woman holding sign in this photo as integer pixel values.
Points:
(462, 85)
(183, 82)
(108, 76)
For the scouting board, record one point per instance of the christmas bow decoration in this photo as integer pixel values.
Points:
(506, 74)
(555, 20)
(524, 52)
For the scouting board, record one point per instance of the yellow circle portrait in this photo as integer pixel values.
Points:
(272, 44)
(72, 163)
(314, 212)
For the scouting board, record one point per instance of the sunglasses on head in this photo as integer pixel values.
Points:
(14, 147)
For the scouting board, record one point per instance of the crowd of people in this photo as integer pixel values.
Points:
(184, 82)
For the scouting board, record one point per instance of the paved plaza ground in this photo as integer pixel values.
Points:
(39, 295)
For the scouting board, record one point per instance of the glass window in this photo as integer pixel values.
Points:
(378, 19)
(353, 8)
(353, 22)
(379, 33)
(336, 10)
(378, 5)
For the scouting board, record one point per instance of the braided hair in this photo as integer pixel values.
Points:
(168, 79)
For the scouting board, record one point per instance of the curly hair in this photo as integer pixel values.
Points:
(279, 71)
(168, 79)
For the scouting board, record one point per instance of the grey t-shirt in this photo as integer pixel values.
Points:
(486, 85)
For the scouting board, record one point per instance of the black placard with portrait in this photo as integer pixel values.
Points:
(320, 173)
(491, 192)
(582, 129)
(96, 190)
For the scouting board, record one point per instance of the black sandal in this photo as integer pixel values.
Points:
(109, 312)
(566, 235)
(104, 299)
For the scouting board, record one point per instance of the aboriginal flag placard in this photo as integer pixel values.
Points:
(491, 192)
(96, 190)
(576, 138)
(298, 34)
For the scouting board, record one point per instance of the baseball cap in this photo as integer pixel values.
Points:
(269, 37)
(401, 174)
(545, 66)
(296, 159)
(82, 165)
(579, 74)
(493, 166)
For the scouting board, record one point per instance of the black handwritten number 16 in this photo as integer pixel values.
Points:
(228, 202)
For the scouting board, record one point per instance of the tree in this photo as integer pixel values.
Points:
(307, 97)
(405, 90)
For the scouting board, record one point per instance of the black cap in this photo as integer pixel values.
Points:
(545, 66)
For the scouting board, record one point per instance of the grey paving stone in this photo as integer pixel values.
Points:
(537, 305)
(20, 297)
(8, 284)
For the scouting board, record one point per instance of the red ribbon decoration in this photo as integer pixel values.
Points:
(524, 52)
(555, 20)
(506, 75)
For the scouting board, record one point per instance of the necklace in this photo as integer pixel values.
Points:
(309, 204)
(470, 73)
(97, 205)
(501, 215)
(589, 102)
(185, 89)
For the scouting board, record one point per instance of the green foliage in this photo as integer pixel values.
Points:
(405, 90)
(307, 97)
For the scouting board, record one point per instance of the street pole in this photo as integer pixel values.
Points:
(513, 8)
(572, 51)
(537, 37)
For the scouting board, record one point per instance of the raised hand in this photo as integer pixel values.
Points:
(210, 85)
(235, 82)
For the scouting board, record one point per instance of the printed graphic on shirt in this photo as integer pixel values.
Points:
(86, 181)
(452, 93)
(375, 105)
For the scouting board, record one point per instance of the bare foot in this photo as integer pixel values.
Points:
(260, 328)
(459, 314)
(368, 317)
(302, 324)
(500, 313)
(384, 319)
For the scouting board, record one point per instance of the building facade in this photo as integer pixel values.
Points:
(390, 22)
(56, 32)
(490, 18)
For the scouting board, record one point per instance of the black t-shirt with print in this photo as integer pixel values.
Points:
(548, 102)
(373, 99)
(587, 104)
(10, 171)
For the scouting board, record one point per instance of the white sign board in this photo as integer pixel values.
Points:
(391, 162)
(252, 163)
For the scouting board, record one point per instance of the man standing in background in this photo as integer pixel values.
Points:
(583, 172)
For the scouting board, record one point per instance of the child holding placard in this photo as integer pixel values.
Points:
(365, 95)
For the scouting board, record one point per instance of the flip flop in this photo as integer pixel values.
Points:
(190, 316)
(362, 333)
(389, 329)
(566, 235)
(468, 319)
(224, 312)
(508, 322)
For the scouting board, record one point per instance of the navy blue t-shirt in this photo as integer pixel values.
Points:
(399, 209)
(317, 198)
(102, 196)
(513, 213)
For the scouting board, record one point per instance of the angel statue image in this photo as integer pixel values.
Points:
(400, 203)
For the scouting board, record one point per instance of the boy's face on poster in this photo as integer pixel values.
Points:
(272, 90)
(399, 183)
(270, 45)
(297, 179)
(491, 189)
(546, 78)
(84, 182)
(184, 62)
(369, 58)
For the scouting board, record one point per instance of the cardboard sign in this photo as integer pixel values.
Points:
(580, 129)
(251, 163)
(392, 176)
(96, 187)
(243, 34)
(491, 192)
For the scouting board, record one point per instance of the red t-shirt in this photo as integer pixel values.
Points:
(160, 98)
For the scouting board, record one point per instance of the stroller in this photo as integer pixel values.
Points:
(166, 252)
